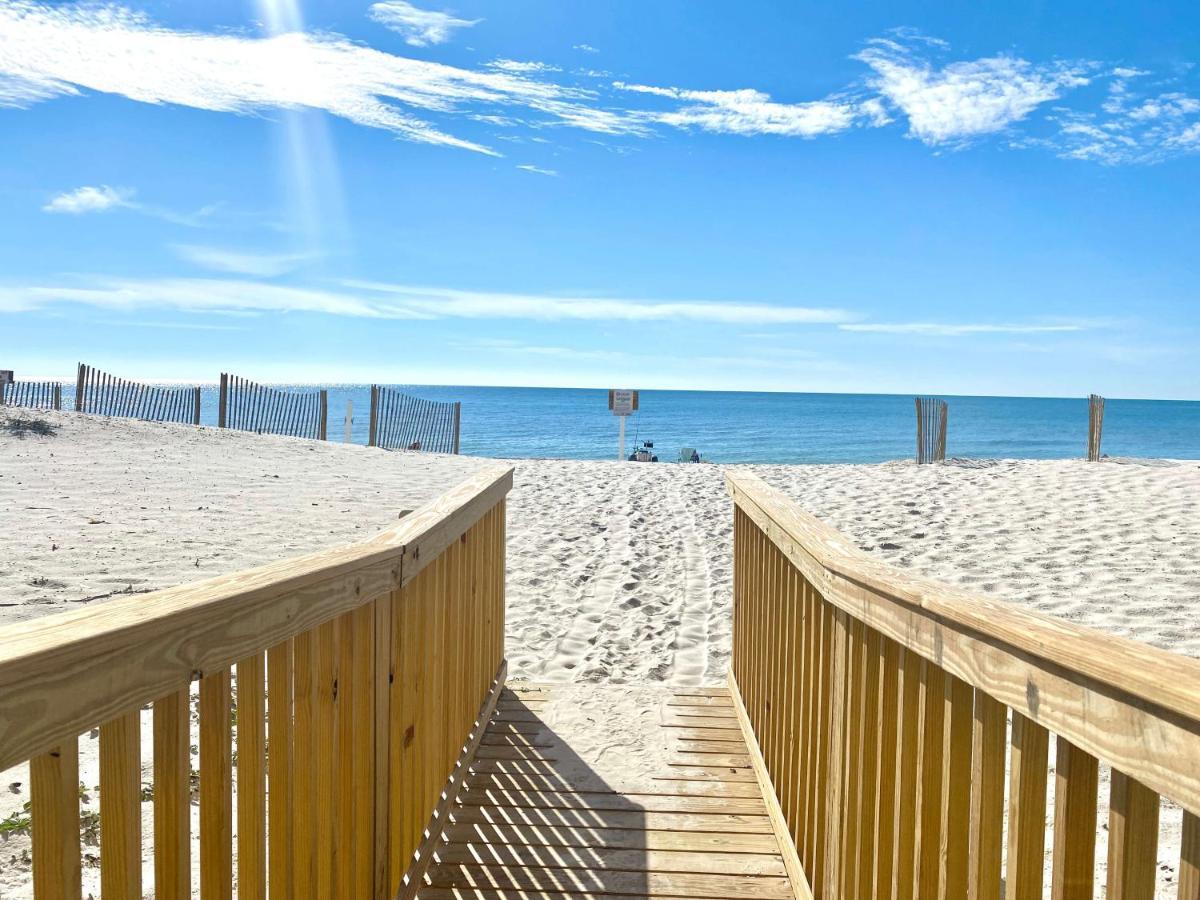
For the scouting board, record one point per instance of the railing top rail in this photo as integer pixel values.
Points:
(828, 559)
(63, 674)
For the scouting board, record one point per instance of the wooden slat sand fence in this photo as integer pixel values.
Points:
(358, 674)
(107, 395)
(400, 421)
(1095, 426)
(881, 705)
(932, 415)
(248, 406)
(31, 394)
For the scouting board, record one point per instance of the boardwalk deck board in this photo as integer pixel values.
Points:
(537, 821)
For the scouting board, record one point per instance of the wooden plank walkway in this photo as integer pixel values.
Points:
(533, 822)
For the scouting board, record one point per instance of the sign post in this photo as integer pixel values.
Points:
(349, 422)
(623, 404)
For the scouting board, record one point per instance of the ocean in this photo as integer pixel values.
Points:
(742, 427)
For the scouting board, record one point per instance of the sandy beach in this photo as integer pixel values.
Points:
(619, 574)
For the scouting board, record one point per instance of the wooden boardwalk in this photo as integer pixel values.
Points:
(533, 822)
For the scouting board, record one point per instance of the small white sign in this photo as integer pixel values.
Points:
(623, 403)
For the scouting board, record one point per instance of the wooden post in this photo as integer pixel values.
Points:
(223, 402)
(1095, 426)
(457, 424)
(323, 411)
(196, 407)
(373, 424)
(943, 409)
(82, 370)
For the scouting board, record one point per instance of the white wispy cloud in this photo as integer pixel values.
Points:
(88, 199)
(54, 50)
(748, 111)
(586, 48)
(1133, 125)
(523, 349)
(237, 262)
(538, 170)
(962, 100)
(521, 67)
(366, 299)
(100, 198)
(211, 295)
(951, 329)
(419, 27)
(482, 304)
(48, 51)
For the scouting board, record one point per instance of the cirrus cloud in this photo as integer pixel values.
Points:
(419, 27)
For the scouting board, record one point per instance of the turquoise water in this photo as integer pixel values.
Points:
(781, 428)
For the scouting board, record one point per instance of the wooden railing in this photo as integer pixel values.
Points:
(400, 421)
(107, 395)
(31, 394)
(247, 406)
(359, 675)
(880, 704)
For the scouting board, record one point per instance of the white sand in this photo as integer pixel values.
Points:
(618, 573)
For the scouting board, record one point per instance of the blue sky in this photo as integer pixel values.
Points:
(995, 198)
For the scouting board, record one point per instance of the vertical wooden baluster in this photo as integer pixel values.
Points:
(279, 770)
(1189, 858)
(1027, 809)
(405, 745)
(121, 806)
(173, 797)
(216, 789)
(797, 710)
(304, 811)
(933, 689)
(251, 779)
(852, 776)
(435, 705)
(988, 739)
(54, 805)
(803, 822)
(426, 718)
(344, 837)
(814, 791)
(1075, 787)
(887, 730)
(1132, 839)
(325, 743)
(869, 756)
(739, 544)
(908, 777)
(409, 742)
(766, 729)
(387, 739)
(835, 769)
(362, 760)
(447, 663)
(823, 685)
(957, 717)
